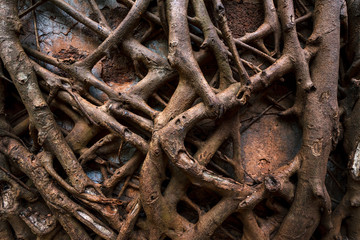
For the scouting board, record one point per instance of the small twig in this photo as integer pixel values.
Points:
(159, 99)
(335, 180)
(148, 33)
(35, 28)
(120, 148)
(301, 37)
(16, 179)
(2, 77)
(188, 201)
(23, 13)
(263, 112)
(98, 13)
(220, 169)
(128, 225)
(82, 109)
(224, 158)
(124, 186)
(70, 28)
(104, 172)
(337, 164)
(133, 185)
(276, 104)
(91, 152)
(229, 40)
(251, 118)
(228, 233)
(302, 4)
(17, 115)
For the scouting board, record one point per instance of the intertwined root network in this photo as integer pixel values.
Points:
(163, 157)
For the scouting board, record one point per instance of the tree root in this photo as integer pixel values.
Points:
(164, 157)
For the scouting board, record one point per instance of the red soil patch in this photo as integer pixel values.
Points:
(243, 17)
